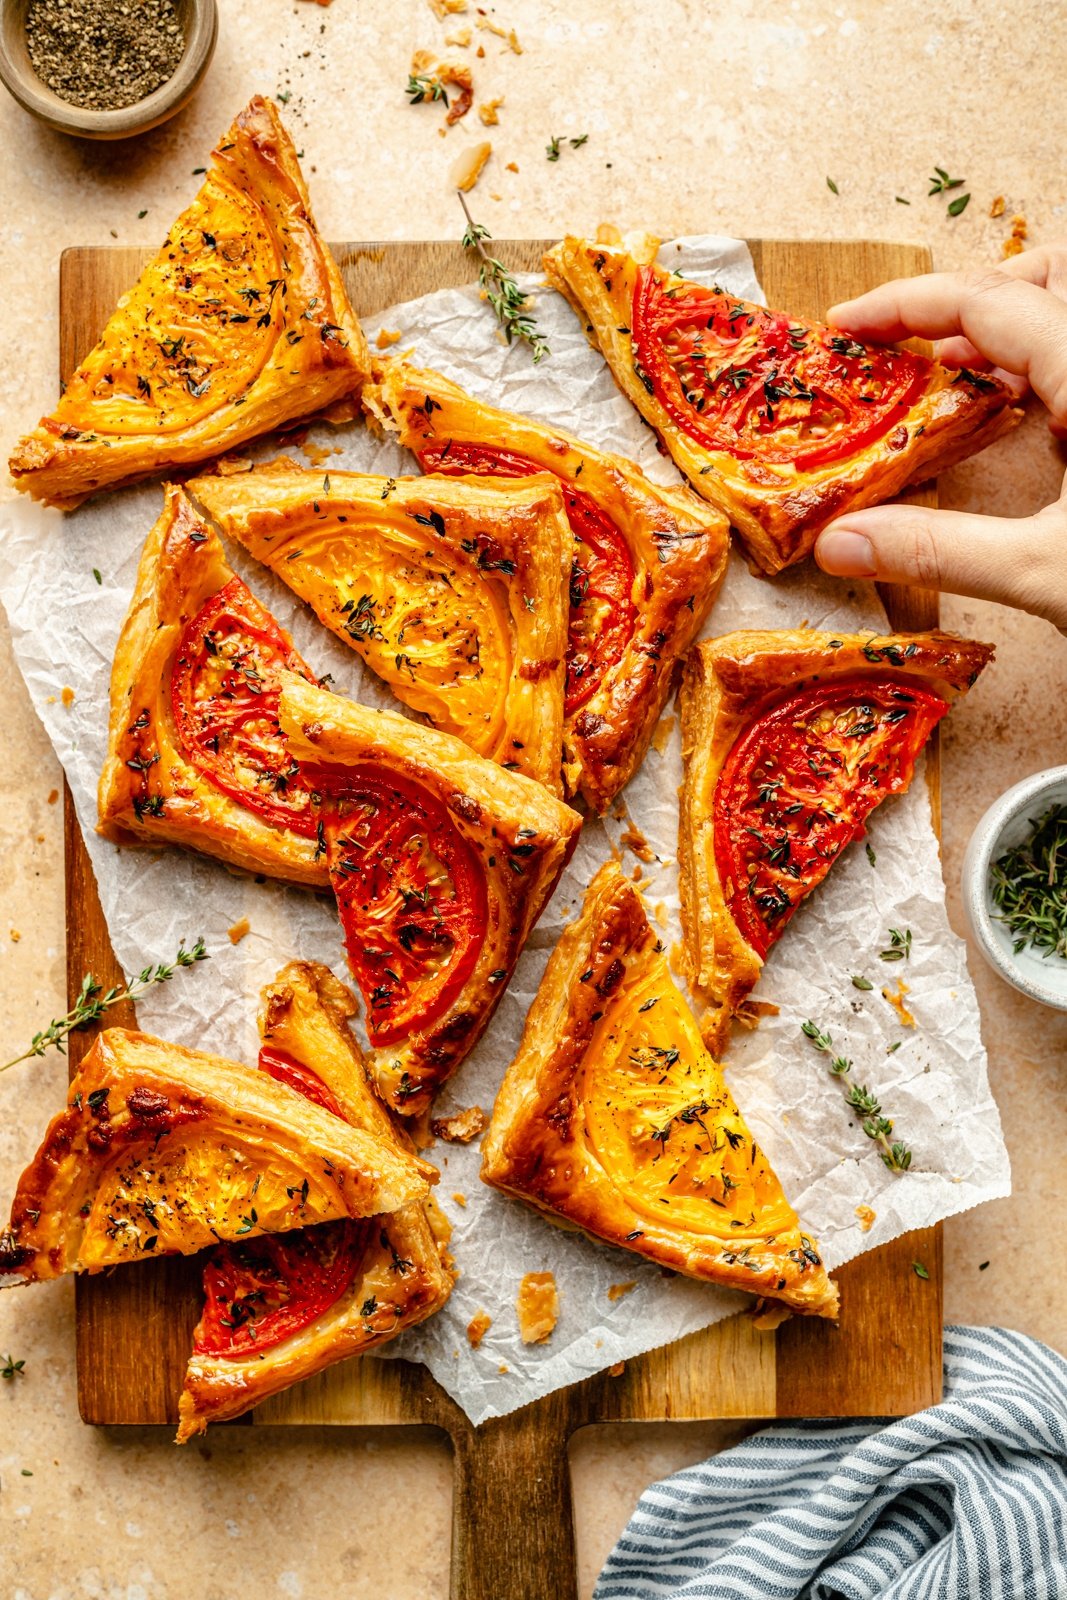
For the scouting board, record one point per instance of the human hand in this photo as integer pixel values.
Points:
(1013, 320)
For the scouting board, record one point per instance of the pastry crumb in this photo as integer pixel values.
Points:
(478, 1327)
(317, 453)
(460, 37)
(53, 796)
(488, 111)
(633, 839)
(15, 936)
(468, 169)
(66, 695)
(997, 208)
(1013, 246)
(512, 166)
(462, 1127)
(616, 1369)
(230, 466)
(766, 1317)
(507, 34)
(664, 729)
(387, 336)
(617, 1290)
(460, 1198)
(424, 63)
(440, 1226)
(537, 1306)
(503, 1367)
(749, 1012)
(867, 1216)
(896, 1000)
(446, 8)
(239, 930)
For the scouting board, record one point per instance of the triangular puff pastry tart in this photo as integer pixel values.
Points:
(789, 741)
(195, 754)
(279, 1308)
(646, 563)
(454, 593)
(441, 863)
(614, 1118)
(240, 324)
(164, 1150)
(781, 422)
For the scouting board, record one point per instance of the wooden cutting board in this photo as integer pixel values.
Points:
(512, 1525)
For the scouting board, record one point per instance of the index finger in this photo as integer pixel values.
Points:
(1014, 323)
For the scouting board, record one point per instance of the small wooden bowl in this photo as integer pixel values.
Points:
(200, 23)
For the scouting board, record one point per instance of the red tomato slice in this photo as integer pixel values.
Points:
(799, 783)
(279, 1064)
(749, 382)
(602, 615)
(263, 1291)
(225, 685)
(411, 895)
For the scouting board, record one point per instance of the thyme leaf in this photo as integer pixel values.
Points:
(93, 1000)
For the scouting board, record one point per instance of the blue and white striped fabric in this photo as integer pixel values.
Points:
(966, 1501)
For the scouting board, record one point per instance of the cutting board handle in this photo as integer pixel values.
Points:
(512, 1517)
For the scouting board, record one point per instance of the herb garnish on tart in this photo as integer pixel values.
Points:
(781, 422)
(790, 740)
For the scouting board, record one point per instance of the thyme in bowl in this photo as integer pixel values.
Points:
(896, 1155)
(93, 1001)
(1029, 886)
(502, 292)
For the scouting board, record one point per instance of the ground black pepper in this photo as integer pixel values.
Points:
(104, 54)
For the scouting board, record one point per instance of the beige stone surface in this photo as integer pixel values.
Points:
(699, 117)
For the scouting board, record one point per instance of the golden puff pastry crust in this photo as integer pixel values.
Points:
(453, 591)
(195, 756)
(441, 862)
(239, 325)
(790, 739)
(647, 562)
(163, 1150)
(781, 423)
(281, 1309)
(614, 1118)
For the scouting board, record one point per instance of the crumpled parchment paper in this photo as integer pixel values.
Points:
(65, 624)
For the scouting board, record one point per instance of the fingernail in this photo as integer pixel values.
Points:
(846, 554)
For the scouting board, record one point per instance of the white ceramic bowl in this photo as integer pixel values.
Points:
(1007, 823)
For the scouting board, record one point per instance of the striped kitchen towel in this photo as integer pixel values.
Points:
(966, 1501)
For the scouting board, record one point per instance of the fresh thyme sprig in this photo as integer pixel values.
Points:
(93, 1000)
(12, 1369)
(420, 89)
(503, 293)
(896, 1156)
(1029, 886)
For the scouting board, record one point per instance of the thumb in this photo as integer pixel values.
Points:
(1016, 561)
